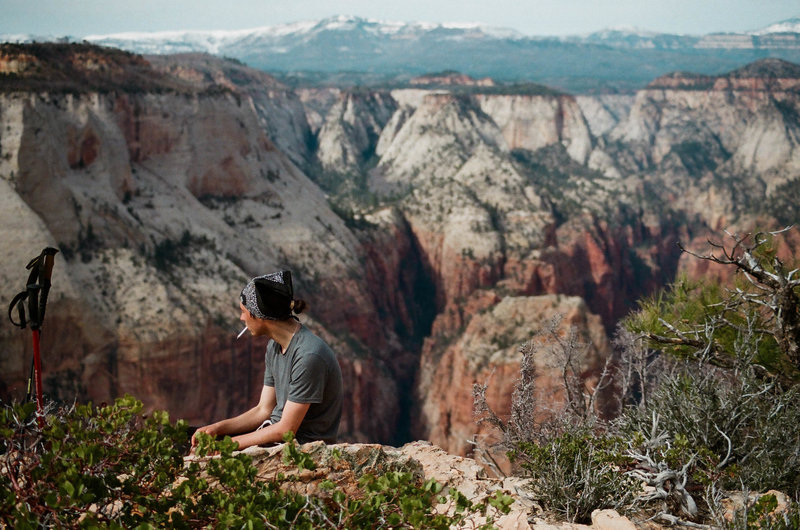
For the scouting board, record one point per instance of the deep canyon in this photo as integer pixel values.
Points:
(431, 229)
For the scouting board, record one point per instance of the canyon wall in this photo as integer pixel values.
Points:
(163, 205)
(431, 230)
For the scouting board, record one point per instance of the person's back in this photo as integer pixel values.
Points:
(307, 373)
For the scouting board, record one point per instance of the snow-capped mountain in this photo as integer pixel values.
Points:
(281, 38)
(618, 59)
(791, 25)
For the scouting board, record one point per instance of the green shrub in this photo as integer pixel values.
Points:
(750, 427)
(573, 463)
(762, 514)
(111, 467)
(577, 472)
(758, 314)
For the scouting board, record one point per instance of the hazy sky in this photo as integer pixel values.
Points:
(78, 18)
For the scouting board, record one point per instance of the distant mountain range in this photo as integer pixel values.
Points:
(375, 51)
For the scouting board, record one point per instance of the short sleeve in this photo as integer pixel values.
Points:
(307, 383)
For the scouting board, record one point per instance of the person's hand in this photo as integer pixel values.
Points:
(208, 429)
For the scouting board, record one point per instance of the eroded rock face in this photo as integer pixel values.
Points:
(166, 197)
(281, 113)
(533, 122)
(350, 133)
(481, 217)
(163, 205)
(487, 352)
(718, 146)
(604, 112)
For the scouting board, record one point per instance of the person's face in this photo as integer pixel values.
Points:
(249, 320)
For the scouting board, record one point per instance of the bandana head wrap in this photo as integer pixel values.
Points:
(269, 297)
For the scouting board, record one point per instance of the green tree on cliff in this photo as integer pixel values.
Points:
(712, 323)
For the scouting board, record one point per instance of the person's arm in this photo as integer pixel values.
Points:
(245, 422)
(292, 417)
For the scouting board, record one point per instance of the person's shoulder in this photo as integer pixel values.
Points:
(307, 335)
(311, 342)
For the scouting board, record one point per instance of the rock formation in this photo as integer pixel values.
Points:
(720, 145)
(533, 122)
(431, 229)
(163, 204)
(351, 130)
(487, 352)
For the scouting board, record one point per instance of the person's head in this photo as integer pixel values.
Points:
(270, 298)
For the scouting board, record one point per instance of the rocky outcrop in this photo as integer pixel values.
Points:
(344, 464)
(481, 219)
(316, 103)
(607, 265)
(348, 138)
(604, 111)
(466, 200)
(487, 352)
(281, 113)
(722, 142)
(449, 78)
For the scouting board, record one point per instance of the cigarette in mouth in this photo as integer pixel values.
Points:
(241, 333)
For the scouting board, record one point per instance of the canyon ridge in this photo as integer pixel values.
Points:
(432, 229)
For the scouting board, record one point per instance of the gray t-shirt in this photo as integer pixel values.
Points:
(307, 372)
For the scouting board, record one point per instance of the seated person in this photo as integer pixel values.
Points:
(302, 389)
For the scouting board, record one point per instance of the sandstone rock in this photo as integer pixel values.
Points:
(736, 127)
(533, 122)
(451, 127)
(350, 133)
(280, 111)
(344, 464)
(611, 520)
(410, 97)
(163, 205)
(734, 504)
(450, 78)
(487, 353)
(604, 112)
(316, 103)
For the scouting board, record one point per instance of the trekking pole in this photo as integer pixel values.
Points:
(36, 292)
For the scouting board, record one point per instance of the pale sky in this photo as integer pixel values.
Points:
(78, 18)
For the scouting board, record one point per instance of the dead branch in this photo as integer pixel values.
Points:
(777, 291)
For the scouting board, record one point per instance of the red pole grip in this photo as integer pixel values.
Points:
(37, 368)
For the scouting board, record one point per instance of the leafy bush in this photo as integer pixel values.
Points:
(715, 324)
(88, 465)
(736, 394)
(109, 466)
(762, 515)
